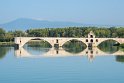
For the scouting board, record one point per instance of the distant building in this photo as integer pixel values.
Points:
(91, 35)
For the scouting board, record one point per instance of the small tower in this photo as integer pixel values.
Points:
(91, 35)
(91, 39)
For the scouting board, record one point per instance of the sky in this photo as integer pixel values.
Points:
(82, 11)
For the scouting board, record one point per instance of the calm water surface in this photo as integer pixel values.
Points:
(55, 67)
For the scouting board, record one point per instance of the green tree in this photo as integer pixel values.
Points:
(2, 34)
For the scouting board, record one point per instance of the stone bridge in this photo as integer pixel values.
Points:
(60, 41)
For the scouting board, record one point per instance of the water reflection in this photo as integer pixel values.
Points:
(35, 50)
(107, 46)
(120, 58)
(74, 46)
(52, 52)
(38, 52)
(4, 51)
(70, 49)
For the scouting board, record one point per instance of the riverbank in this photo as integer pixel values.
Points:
(4, 44)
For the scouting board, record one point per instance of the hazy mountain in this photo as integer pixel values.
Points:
(24, 24)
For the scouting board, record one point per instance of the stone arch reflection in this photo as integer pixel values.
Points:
(91, 54)
(36, 50)
(74, 46)
(37, 46)
(108, 46)
(51, 53)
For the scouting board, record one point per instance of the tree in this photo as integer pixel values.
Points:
(18, 33)
(2, 34)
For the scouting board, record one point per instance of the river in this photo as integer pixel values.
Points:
(104, 64)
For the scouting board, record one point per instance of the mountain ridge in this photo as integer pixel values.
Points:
(24, 24)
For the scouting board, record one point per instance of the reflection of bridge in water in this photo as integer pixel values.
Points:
(62, 53)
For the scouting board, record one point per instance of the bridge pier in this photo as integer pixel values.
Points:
(16, 46)
(56, 45)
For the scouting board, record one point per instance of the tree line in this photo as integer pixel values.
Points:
(113, 32)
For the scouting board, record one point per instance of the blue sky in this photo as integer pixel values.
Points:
(82, 11)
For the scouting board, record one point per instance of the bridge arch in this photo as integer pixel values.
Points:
(101, 40)
(23, 40)
(40, 39)
(74, 40)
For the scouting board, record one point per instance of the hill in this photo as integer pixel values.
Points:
(24, 24)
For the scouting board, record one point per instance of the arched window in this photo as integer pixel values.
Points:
(20, 52)
(57, 41)
(91, 36)
(96, 40)
(86, 40)
(91, 52)
(57, 52)
(91, 40)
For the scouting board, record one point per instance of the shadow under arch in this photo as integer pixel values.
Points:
(37, 42)
(74, 46)
(107, 46)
